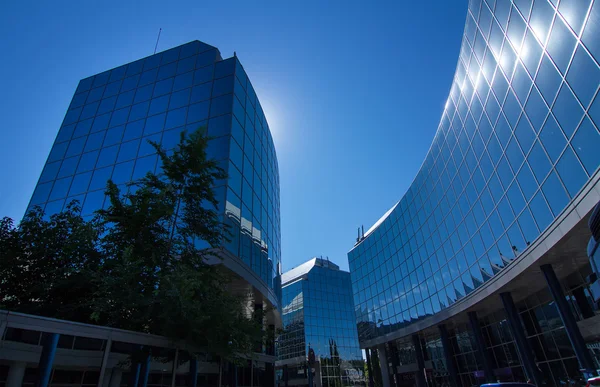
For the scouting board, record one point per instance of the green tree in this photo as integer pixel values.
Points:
(143, 261)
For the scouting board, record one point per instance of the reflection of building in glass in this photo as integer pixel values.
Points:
(318, 312)
(491, 235)
(114, 114)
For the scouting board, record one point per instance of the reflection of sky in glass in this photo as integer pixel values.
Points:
(508, 156)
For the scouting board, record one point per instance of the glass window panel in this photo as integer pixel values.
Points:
(179, 99)
(548, 80)
(219, 126)
(146, 148)
(224, 68)
(143, 93)
(87, 161)
(567, 111)
(514, 154)
(83, 128)
(89, 110)
(592, 31)
(171, 138)
(107, 156)
(521, 83)
(198, 112)
(531, 53)
(95, 95)
(222, 86)
(122, 172)
(525, 134)
(75, 146)
(586, 143)
(539, 162)
(80, 183)
(119, 117)
(68, 167)
(571, 172)
(163, 87)
(159, 105)
(527, 181)
(101, 79)
(218, 148)
(201, 92)
(100, 177)
(206, 58)
(203, 75)
(143, 165)
(41, 193)
(60, 188)
(541, 19)
(65, 133)
(112, 89)
(155, 124)
(536, 109)
(78, 100)
(167, 71)
(93, 201)
(583, 76)
(85, 84)
(125, 99)
(183, 81)
(221, 105)
(148, 77)
(555, 194)
(117, 73)
(176, 118)
(130, 83)
(561, 45)
(113, 136)
(53, 208)
(134, 130)
(100, 122)
(128, 150)
(50, 171)
(553, 139)
(94, 141)
(574, 12)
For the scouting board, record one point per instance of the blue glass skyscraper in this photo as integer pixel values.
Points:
(113, 116)
(491, 235)
(318, 314)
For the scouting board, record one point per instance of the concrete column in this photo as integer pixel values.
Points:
(516, 327)
(383, 363)
(47, 359)
(395, 362)
(175, 366)
(193, 377)
(103, 378)
(144, 370)
(285, 375)
(115, 377)
(369, 367)
(583, 355)
(317, 380)
(481, 347)
(420, 375)
(15, 374)
(449, 356)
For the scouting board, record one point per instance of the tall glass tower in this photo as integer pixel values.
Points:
(491, 234)
(113, 116)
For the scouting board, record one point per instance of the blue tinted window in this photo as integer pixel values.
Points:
(41, 193)
(107, 156)
(119, 117)
(206, 58)
(183, 81)
(222, 86)
(163, 87)
(170, 55)
(218, 149)
(561, 45)
(148, 77)
(586, 143)
(143, 165)
(94, 141)
(548, 80)
(113, 136)
(219, 126)
(527, 182)
(221, 105)
(134, 130)
(179, 99)
(198, 112)
(185, 65)
(567, 111)
(555, 193)
(100, 177)
(171, 138)
(146, 148)
(125, 99)
(167, 71)
(93, 201)
(89, 110)
(122, 172)
(87, 161)
(128, 150)
(583, 76)
(85, 84)
(65, 133)
(176, 118)
(80, 183)
(68, 167)
(592, 31)
(83, 128)
(117, 73)
(571, 172)
(201, 92)
(155, 124)
(553, 139)
(159, 105)
(78, 100)
(139, 111)
(50, 171)
(224, 68)
(203, 75)
(541, 18)
(539, 162)
(130, 83)
(75, 146)
(112, 89)
(60, 188)
(143, 93)
(95, 95)
(101, 79)
(100, 122)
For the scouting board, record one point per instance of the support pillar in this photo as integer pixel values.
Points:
(518, 332)
(16, 372)
(144, 369)
(285, 375)
(383, 364)
(369, 367)
(193, 376)
(115, 377)
(174, 368)
(269, 375)
(480, 342)
(102, 377)
(449, 356)
(47, 359)
(583, 355)
(583, 303)
(420, 374)
(134, 373)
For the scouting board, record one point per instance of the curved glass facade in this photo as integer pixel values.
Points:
(113, 114)
(517, 140)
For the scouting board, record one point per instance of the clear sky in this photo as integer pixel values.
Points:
(353, 92)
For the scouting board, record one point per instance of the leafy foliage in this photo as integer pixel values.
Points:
(140, 264)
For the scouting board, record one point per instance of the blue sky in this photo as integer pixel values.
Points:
(353, 92)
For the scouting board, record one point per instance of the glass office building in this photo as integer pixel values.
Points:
(491, 235)
(318, 314)
(113, 116)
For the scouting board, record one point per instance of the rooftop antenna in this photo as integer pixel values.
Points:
(157, 39)
(363, 230)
